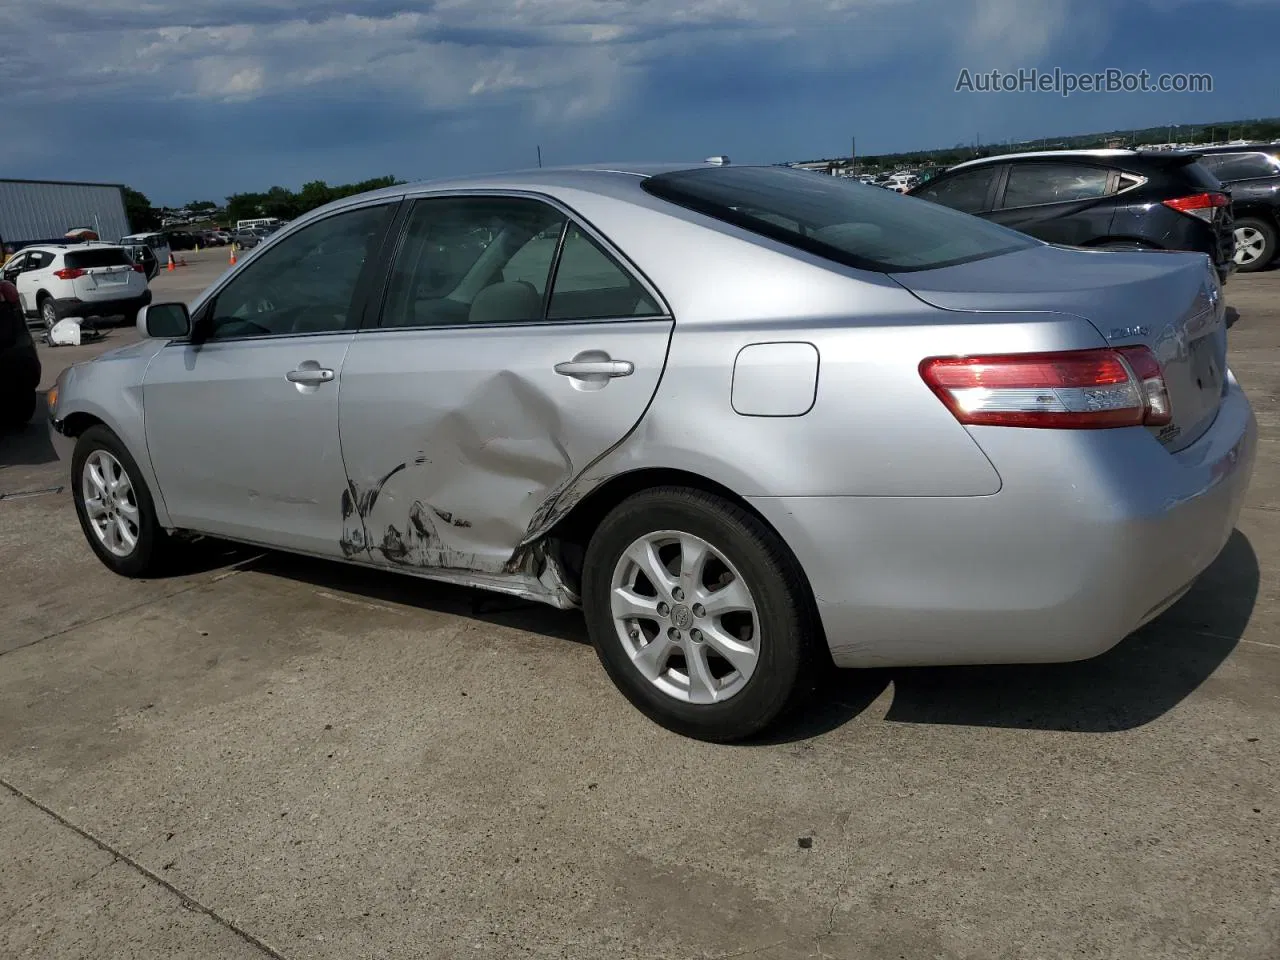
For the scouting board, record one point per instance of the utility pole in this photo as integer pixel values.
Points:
(539, 156)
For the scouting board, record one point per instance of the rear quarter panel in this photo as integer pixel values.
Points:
(874, 429)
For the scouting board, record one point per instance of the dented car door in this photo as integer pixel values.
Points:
(513, 350)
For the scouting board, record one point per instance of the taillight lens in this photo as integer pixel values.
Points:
(139, 268)
(68, 273)
(1077, 389)
(1200, 205)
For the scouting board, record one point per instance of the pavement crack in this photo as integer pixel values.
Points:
(185, 899)
(235, 568)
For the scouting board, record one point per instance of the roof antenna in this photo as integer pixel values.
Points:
(719, 161)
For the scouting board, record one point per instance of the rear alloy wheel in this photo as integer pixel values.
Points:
(699, 613)
(1255, 244)
(48, 315)
(113, 505)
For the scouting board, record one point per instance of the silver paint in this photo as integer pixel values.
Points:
(453, 453)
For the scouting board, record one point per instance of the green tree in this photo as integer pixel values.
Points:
(142, 216)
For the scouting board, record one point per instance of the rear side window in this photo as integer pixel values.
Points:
(102, 257)
(965, 191)
(1035, 183)
(1241, 166)
(837, 219)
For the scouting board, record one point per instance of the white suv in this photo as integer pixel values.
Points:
(78, 280)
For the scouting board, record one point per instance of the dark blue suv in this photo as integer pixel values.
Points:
(1116, 199)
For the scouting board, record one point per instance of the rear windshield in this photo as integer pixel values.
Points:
(102, 257)
(838, 219)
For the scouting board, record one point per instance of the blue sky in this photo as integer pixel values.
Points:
(195, 99)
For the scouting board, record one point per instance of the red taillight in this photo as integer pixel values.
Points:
(139, 268)
(68, 273)
(1200, 205)
(1078, 389)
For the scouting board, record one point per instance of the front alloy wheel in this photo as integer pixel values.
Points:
(114, 506)
(110, 503)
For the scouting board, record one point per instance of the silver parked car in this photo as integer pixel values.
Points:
(751, 419)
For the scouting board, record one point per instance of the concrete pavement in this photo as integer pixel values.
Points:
(269, 756)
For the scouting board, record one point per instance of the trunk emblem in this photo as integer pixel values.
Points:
(1123, 333)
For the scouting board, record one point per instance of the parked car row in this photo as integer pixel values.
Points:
(750, 419)
(1222, 202)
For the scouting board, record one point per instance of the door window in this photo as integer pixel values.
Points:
(1035, 183)
(591, 285)
(966, 191)
(1241, 166)
(306, 283)
(473, 260)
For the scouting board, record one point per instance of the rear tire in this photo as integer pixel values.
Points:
(114, 506)
(48, 315)
(1255, 244)
(722, 670)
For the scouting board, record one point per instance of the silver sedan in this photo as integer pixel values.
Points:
(752, 420)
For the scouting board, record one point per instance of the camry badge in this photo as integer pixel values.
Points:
(1124, 333)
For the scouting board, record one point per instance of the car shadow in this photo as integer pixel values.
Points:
(28, 446)
(431, 595)
(1136, 682)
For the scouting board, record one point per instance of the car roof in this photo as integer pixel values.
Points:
(1095, 154)
(64, 247)
(1242, 148)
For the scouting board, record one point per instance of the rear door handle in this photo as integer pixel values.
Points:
(309, 375)
(594, 369)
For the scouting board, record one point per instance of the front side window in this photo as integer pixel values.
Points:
(1035, 183)
(306, 283)
(837, 219)
(967, 191)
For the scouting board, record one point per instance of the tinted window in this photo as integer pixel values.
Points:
(1241, 166)
(305, 283)
(835, 218)
(1033, 183)
(105, 257)
(965, 191)
(473, 260)
(590, 284)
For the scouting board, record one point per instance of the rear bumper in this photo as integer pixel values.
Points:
(1092, 534)
(124, 307)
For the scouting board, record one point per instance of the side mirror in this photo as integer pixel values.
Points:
(164, 321)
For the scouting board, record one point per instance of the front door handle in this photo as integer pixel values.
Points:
(309, 375)
(595, 369)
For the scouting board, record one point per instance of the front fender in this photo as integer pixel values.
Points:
(108, 390)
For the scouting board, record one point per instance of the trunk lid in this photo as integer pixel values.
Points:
(1171, 302)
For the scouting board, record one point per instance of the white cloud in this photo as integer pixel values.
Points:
(564, 59)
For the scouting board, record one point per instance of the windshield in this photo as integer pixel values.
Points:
(839, 219)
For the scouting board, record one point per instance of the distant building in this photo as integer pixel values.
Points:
(33, 211)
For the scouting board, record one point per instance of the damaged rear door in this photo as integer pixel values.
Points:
(514, 348)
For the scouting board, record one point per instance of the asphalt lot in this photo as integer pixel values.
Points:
(269, 756)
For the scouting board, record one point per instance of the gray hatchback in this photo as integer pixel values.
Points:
(752, 420)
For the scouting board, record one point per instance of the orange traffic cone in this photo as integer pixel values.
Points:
(172, 266)
(233, 255)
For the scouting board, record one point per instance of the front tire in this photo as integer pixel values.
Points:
(114, 507)
(699, 614)
(1255, 244)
